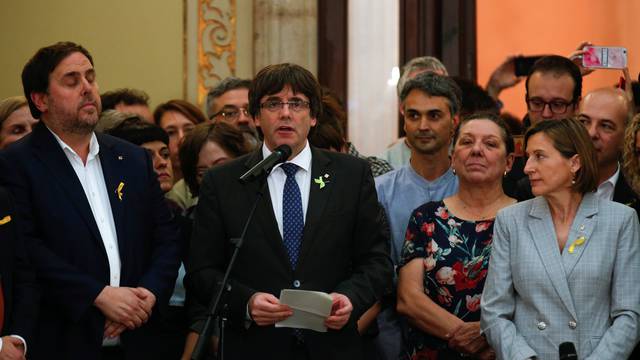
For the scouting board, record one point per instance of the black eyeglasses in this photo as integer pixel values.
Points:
(230, 113)
(556, 106)
(276, 105)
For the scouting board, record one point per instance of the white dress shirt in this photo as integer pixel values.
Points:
(277, 178)
(91, 178)
(605, 190)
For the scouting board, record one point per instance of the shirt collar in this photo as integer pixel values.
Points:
(614, 178)
(303, 159)
(94, 146)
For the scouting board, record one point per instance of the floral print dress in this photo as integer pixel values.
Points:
(455, 255)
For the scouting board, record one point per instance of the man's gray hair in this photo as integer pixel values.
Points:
(227, 84)
(433, 84)
(425, 63)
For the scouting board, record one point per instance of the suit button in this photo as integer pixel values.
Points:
(542, 325)
(572, 324)
(296, 284)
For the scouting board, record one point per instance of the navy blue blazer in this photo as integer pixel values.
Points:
(65, 244)
(16, 275)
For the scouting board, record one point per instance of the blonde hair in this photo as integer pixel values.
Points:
(630, 164)
(9, 105)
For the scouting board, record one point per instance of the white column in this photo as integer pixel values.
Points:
(373, 74)
(285, 31)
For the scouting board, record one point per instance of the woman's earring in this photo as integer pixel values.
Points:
(454, 171)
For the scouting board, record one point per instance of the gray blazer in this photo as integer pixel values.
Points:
(536, 298)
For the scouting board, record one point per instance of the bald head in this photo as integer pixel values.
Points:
(605, 113)
(609, 102)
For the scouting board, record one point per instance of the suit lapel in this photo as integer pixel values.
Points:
(622, 193)
(318, 197)
(544, 238)
(49, 152)
(111, 162)
(582, 227)
(264, 216)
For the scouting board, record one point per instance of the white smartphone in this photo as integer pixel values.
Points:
(604, 57)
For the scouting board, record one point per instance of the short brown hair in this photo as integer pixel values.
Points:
(273, 78)
(570, 137)
(183, 107)
(228, 137)
(125, 96)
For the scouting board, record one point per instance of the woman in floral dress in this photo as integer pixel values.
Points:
(448, 244)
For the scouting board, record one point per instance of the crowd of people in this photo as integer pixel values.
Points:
(476, 235)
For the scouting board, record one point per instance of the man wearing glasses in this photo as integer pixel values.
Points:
(229, 102)
(554, 88)
(317, 227)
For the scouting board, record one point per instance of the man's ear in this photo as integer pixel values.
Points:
(455, 121)
(40, 100)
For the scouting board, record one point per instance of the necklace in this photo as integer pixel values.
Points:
(487, 212)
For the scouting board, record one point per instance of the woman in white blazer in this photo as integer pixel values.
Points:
(564, 265)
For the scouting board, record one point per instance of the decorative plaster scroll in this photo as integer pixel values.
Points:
(213, 56)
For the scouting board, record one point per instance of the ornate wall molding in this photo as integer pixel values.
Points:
(210, 45)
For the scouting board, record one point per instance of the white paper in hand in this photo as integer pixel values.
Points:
(310, 309)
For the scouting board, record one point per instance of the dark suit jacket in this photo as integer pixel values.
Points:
(344, 249)
(66, 247)
(16, 275)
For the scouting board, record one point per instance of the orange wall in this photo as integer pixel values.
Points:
(554, 27)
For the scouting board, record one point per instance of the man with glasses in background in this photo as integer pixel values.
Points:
(229, 102)
(317, 227)
(554, 88)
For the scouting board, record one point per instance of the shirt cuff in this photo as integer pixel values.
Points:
(24, 342)
(247, 318)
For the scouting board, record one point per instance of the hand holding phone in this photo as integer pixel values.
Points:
(604, 57)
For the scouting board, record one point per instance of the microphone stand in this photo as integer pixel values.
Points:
(225, 288)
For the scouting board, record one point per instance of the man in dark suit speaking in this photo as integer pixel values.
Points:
(318, 227)
(97, 228)
(18, 291)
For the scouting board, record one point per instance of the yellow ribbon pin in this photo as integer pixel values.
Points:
(5, 220)
(579, 241)
(119, 190)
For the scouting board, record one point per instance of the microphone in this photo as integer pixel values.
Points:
(568, 351)
(279, 155)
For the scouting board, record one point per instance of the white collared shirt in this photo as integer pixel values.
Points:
(277, 178)
(605, 190)
(92, 180)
